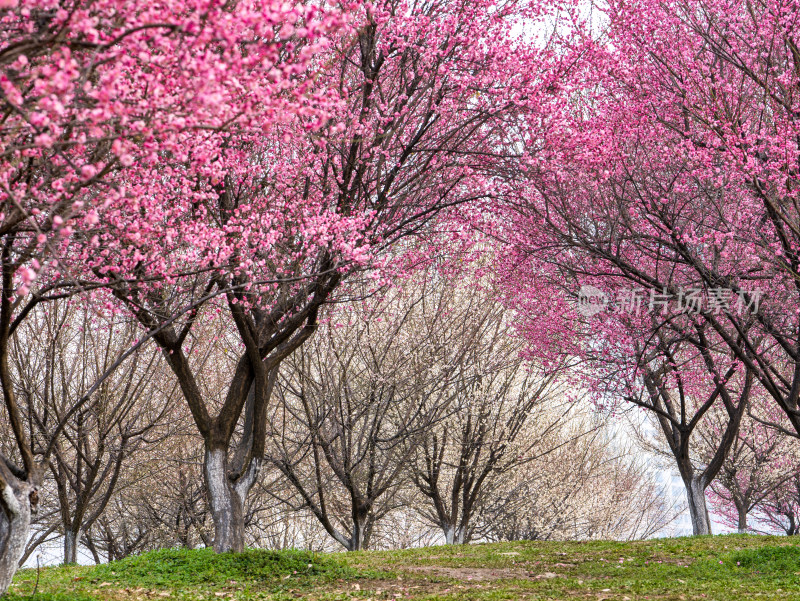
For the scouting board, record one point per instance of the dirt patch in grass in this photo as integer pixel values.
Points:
(381, 589)
(471, 574)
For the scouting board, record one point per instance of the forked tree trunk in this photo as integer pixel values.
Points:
(698, 510)
(15, 525)
(358, 541)
(227, 500)
(454, 535)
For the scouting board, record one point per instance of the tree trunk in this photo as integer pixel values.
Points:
(15, 523)
(71, 546)
(696, 496)
(741, 510)
(227, 500)
(449, 534)
(358, 540)
(454, 535)
(93, 550)
(792, 529)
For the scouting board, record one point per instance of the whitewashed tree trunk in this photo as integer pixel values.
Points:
(454, 535)
(15, 524)
(698, 510)
(227, 500)
(71, 546)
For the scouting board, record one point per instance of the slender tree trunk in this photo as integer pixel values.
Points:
(792, 529)
(227, 500)
(71, 539)
(19, 489)
(15, 525)
(741, 510)
(93, 550)
(698, 510)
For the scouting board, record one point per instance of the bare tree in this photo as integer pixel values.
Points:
(590, 486)
(461, 459)
(357, 399)
(57, 356)
(780, 509)
(162, 502)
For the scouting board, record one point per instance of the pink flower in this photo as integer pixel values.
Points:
(43, 140)
(88, 172)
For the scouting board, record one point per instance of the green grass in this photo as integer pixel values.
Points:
(185, 574)
(735, 567)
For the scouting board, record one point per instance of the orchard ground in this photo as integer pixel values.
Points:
(709, 568)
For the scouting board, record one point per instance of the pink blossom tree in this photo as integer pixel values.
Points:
(780, 509)
(720, 105)
(409, 113)
(670, 171)
(759, 467)
(683, 155)
(94, 96)
(670, 365)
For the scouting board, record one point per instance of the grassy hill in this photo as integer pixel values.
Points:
(708, 568)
